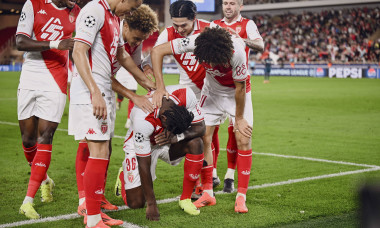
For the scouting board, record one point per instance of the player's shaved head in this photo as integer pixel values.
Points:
(214, 46)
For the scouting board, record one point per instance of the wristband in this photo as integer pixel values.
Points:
(180, 137)
(54, 44)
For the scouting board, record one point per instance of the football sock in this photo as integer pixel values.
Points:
(120, 99)
(244, 164)
(230, 174)
(231, 148)
(215, 142)
(81, 200)
(206, 178)
(241, 194)
(29, 153)
(46, 179)
(192, 168)
(80, 165)
(123, 194)
(28, 200)
(214, 173)
(130, 106)
(40, 166)
(94, 184)
(92, 220)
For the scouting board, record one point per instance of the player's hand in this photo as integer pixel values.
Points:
(165, 137)
(233, 32)
(148, 71)
(152, 212)
(148, 84)
(157, 97)
(241, 126)
(99, 106)
(143, 103)
(67, 44)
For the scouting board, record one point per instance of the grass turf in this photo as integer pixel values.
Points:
(335, 119)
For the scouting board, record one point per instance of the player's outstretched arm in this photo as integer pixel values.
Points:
(195, 130)
(241, 125)
(152, 212)
(127, 62)
(83, 66)
(157, 55)
(24, 43)
(141, 101)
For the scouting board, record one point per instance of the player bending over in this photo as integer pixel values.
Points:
(169, 133)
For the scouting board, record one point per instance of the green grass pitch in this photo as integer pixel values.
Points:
(329, 119)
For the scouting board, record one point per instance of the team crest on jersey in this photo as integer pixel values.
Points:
(22, 16)
(71, 17)
(238, 29)
(90, 21)
(130, 177)
(139, 137)
(104, 127)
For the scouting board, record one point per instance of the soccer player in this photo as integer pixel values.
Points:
(169, 133)
(44, 31)
(247, 30)
(192, 74)
(135, 28)
(224, 93)
(98, 42)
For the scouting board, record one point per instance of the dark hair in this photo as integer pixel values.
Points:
(178, 119)
(214, 45)
(143, 19)
(183, 8)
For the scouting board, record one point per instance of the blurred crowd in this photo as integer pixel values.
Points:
(334, 36)
(250, 2)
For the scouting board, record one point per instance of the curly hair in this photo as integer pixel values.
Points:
(178, 119)
(183, 8)
(143, 19)
(214, 45)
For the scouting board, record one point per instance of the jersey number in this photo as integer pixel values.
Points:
(130, 164)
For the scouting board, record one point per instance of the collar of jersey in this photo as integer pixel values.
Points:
(239, 19)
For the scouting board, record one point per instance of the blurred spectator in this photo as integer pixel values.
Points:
(336, 36)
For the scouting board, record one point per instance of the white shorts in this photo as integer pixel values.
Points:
(195, 89)
(84, 125)
(217, 108)
(126, 79)
(131, 168)
(42, 104)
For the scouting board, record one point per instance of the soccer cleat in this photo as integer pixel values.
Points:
(118, 184)
(106, 220)
(228, 185)
(27, 209)
(46, 191)
(100, 225)
(189, 207)
(197, 193)
(82, 209)
(215, 182)
(105, 204)
(240, 205)
(205, 200)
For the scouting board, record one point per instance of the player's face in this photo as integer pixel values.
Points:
(127, 7)
(231, 8)
(134, 37)
(66, 3)
(183, 25)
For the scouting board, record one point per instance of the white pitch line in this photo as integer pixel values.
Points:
(175, 199)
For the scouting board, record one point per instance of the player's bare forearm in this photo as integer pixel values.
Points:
(239, 99)
(195, 130)
(157, 56)
(24, 43)
(256, 45)
(147, 186)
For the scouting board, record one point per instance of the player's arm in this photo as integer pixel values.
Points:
(241, 124)
(256, 45)
(24, 43)
(141, 101)
(127, 62)
(83, 66)
(254, 40)
(195, 130)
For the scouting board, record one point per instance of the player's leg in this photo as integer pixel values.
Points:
(231, 160)
(215, 150)
(119, 100)
(80, 165)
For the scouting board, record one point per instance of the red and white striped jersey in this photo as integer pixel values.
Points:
(99, 28)
(220, 79)
(190, 71)
(246, 29)
(145, 126)
(42, 20)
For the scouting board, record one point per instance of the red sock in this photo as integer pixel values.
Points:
(41, 163)
(192, 169)
(94, 184)
(120, 99)
(80, 166)
(231, 148)
(244, 164)
(29, 153)
(206, 177)
(123, 194)
(130, 106)
(215, 142)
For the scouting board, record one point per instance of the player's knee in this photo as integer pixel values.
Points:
(135, 203)
(194, 146)
(243, 143)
